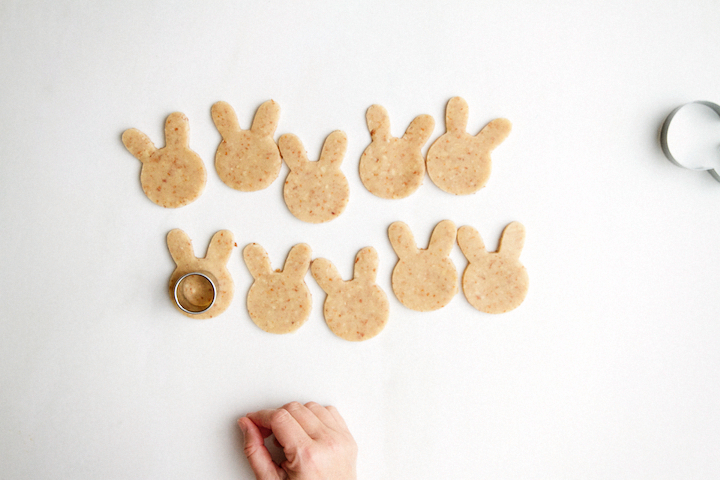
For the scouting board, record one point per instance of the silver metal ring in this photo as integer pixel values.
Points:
(184, 303)
(664, 140)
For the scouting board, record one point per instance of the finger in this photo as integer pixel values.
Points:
(283, 425)
(338, 418)
(322, 414)
(257, 453)
(309, 422)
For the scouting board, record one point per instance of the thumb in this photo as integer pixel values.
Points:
(257, 453)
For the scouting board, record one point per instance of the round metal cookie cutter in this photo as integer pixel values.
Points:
(187, 305)
(664, 134)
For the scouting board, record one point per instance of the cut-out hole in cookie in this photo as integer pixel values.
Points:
(393, 167)
(278, 301)
(196, 292)
(201, 287)
(458, 162)
(174, 175)
(355, 309)
(424, 279)
(247, 160)
(494, 282)
(315, 192)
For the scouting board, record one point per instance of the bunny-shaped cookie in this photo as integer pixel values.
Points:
(424, 280)
(247, 160)
(356, 309)
(214, 263)
(174, 175)
(315, 192)
(494, 282)
(278, 301)
(393, 167)
(457, 162)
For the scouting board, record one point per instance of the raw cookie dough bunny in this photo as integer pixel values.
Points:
(393, 167)
(171, 176)
(457, 162)
(315, 192)
(424, 280)
(356, 309)
(196, 289)
(494, 282)
(247, 160)
(278, 301)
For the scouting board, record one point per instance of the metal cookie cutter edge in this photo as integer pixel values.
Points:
(664, 131)
(207, 277)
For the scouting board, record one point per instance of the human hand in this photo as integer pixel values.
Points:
(315, 439)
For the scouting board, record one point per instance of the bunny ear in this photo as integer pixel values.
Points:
(220, 247)
(334, 149)
(266, 119)
(402, 240)
(257, 260)
(366, 264)
(177, 130)
(443, 238)
(138, 144)
(292, 151)
(298, 261)
(419, 130)
(326, 275)
(225, 119)
(180, 247)
(494, 133)
(512, 240)
(471, 243)
(378, 122)
(456, 115)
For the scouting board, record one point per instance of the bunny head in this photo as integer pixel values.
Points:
(278, 301)
(315, 192)
(356, 309)
(424, 280)
(458, 162)
(197, 290)
(494, 282)
(174, 175)
(247, 160)
(393, 167)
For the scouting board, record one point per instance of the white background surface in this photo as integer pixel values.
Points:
(610, 367)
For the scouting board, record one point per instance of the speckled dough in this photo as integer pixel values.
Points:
(278, 301)
(247, 160)
(315, 192)
(393, 167)
(215, 262)
(174, 175)
(424, 280)
(494, 282)
(356, 309)
(457, 162)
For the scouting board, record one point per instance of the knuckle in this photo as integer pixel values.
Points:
(279, 416)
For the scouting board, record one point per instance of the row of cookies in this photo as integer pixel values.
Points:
(316, 192)
(357, 309)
